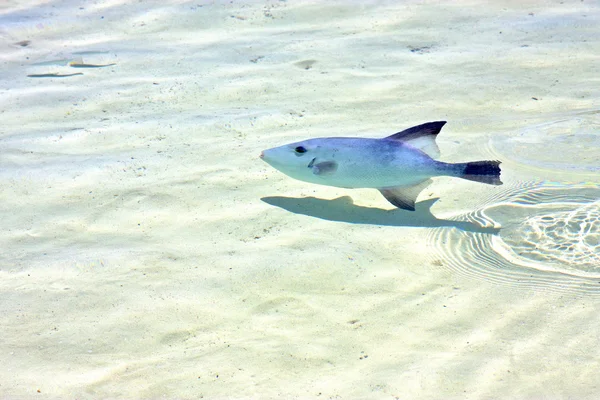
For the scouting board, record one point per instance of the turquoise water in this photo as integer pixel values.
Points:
(147, 252)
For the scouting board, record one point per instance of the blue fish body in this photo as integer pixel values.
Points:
(399, 166)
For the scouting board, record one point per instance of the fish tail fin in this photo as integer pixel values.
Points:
(481, 171)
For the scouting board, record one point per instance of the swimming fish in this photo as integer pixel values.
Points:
(399, 166)
(83, 65)
(53, 75)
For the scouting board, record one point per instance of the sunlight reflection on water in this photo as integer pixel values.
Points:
(549, 238)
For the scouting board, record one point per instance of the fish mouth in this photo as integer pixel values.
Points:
(265, 156)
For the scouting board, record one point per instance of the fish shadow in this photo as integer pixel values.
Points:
(343, 209)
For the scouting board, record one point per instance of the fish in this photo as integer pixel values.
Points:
(53, 75)
(83, 65)
(400, 166)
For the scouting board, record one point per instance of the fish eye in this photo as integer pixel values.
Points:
(300, 150)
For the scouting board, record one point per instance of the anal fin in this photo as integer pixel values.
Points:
(405, 196)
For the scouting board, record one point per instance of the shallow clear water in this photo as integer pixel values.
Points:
(147, 252)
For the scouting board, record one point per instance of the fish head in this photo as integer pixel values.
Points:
(300, 160)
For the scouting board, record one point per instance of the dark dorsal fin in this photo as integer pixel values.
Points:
(421, 137)
(430, 128)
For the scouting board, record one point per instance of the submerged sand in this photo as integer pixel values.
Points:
(147, 252)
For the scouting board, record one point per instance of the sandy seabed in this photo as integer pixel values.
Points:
(147, 252)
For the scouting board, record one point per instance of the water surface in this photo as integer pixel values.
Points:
(147, 252)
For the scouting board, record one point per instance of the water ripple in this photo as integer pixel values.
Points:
(546, 145)
(549, 238)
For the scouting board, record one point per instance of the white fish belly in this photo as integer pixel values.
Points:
(348, 177)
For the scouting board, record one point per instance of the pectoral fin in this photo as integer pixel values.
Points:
(405, 196)
(324, 168)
